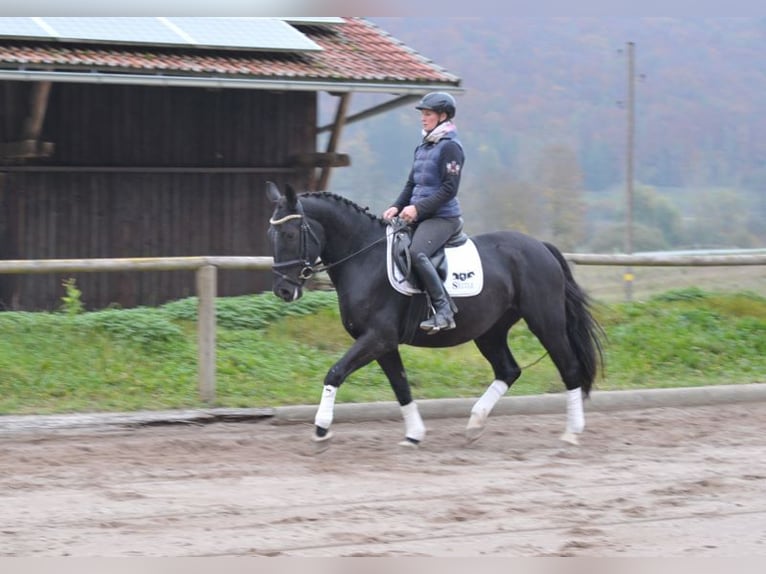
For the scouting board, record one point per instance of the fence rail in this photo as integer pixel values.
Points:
(648, 260)
(206, 268)
(22, 266)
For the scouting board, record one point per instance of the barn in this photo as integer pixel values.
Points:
(153, 137)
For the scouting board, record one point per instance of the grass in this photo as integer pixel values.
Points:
(271, 353)
(605, 283)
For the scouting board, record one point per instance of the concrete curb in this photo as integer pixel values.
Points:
(429, 408)
(600, 401)
(31, 423)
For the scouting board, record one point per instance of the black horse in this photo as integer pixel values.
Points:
(523, 279)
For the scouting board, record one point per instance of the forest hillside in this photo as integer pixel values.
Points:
(543, 122)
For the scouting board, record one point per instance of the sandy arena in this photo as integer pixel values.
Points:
(653, 482)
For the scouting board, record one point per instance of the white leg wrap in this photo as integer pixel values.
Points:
(414, 423)
(326, 407)
(575, 417)
(487, 402)
(481, 409)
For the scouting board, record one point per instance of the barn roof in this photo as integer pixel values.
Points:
(354, 55)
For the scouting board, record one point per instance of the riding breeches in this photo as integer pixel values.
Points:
(431, 234)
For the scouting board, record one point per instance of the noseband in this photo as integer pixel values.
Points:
(307, 269)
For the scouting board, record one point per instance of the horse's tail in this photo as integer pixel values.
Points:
(583, 331)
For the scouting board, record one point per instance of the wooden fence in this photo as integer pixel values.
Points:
(207, 273)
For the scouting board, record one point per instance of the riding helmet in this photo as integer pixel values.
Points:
(438, 102)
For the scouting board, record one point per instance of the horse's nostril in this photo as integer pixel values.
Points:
(284, 293)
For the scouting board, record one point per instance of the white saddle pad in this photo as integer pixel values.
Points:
(465, 277)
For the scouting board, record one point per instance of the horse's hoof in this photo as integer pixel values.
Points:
(475, 427)
(472, 434)
(322, 443)
(410, 442)
(571, 438)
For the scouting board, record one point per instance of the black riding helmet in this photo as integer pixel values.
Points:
(438, 102)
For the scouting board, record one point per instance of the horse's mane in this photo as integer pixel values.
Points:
(326, 195)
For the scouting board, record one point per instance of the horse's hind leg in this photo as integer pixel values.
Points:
(494, 346)
(392, 366)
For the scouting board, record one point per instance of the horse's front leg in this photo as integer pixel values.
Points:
(364, 350)
(415, 430)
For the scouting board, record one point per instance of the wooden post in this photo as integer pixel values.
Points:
(628, 276)
(206, 292)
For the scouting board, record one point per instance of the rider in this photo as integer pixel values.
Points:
(429, 200)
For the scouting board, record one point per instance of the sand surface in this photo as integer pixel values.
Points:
(654, 482)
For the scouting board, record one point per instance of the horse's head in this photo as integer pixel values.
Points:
(294, 245)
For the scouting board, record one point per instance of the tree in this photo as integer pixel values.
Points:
(611, 239)
(720, 220)
(655, 211)
(561, 178)
(491, 200)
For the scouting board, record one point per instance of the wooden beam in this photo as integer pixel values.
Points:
(319, 159)
(26, 149)
(38, 106)
(142, 169)
(332, 144)
(374, 111)
(30, 146)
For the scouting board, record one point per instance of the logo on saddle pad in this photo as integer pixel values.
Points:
(465, 277)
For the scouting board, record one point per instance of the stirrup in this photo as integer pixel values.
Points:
(430, 326)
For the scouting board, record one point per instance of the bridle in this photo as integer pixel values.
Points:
(307, 268)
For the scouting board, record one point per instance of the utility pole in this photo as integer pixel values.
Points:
(630, 141)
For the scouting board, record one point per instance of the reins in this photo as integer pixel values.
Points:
(325, 267)
(533, 363)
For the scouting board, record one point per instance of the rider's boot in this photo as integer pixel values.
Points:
(443, 318)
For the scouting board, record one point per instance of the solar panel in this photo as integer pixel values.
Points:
(253, 33)
(21, 28)
(270, 34)
(120, 30)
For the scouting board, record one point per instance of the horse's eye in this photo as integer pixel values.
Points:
(289, 235)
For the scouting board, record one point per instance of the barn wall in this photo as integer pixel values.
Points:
(51, 214)
(151, 126)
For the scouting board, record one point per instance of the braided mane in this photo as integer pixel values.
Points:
(343, 200)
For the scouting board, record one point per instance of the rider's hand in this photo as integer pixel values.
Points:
(409, 214)
(390, 213)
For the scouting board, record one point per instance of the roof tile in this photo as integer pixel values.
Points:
(356, 51)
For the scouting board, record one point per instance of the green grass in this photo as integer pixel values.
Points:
(271, 353)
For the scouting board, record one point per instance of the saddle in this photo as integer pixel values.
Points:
(458, 264)
(400, 249)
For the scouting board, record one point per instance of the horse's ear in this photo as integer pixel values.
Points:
(291, 196)
(272, 191)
